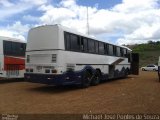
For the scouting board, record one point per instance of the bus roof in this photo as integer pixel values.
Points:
(81, 34)
(11, 39)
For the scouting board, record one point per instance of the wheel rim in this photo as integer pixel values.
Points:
(96, 79)
(87, 79)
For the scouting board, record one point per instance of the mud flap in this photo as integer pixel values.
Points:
(134, 63)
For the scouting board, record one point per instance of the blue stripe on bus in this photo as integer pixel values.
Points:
(68, 78)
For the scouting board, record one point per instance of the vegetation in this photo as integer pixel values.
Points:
(148, 53)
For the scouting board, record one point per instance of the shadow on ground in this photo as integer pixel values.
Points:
(5, 81)
(68, 88)
(55, 89)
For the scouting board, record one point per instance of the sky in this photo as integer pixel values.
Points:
(115, 21)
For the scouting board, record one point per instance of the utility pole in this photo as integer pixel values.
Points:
(87, 22)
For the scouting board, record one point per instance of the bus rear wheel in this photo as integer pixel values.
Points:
(86, 80)
(96, 78)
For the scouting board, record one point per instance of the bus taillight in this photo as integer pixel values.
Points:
(54, 71)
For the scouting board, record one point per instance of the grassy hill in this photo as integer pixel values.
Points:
(148, 53)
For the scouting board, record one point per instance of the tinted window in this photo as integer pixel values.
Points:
(106, 49)
(67, 40)
(75, 42)
(114, 50)
(91, 46)
(150, 66)
(14, 48)
(101, 48)
(124, 51)
(121, 52)
(118, 51)
(84, 44)
(7, 45)
(96, 46)
(110, 49)
(78, 43)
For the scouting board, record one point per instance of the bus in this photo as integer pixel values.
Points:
(57, 55)
(12, 58)
(159, 68)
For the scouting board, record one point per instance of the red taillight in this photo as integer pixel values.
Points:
(54, 71)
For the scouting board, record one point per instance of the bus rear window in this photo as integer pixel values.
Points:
(14, 48)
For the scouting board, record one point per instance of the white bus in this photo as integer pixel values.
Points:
(12, 58)
(57, 55)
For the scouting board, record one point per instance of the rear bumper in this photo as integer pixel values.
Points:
(50, 79)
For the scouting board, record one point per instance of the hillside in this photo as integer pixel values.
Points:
(148, 53)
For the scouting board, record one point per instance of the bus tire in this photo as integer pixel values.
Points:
(143, 69)
(86, 79)
(96, 78)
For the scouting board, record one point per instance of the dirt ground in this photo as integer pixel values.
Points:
(135, 94)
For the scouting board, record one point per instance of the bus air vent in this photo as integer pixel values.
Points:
(54, 56)
(70, 67)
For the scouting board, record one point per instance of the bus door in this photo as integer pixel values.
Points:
(134, 63)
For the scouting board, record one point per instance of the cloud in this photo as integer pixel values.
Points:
(6, 3)
(12, 34)
(142, 35)
(18, 27)
(34, 2)
(68, 13)
(30, 18)
(9, 9)
(16, 30)
(68, 3)
(134, 21)
(133, 6)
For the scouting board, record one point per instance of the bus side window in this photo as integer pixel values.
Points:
(106, 49)
(91, 46)
(114, 51)
(121, 52)
(75, 42)
(118, 53)
(110, 49)
(125, 52)
(67, 41)
(84, 44)
(101, 47)
(96, 46)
